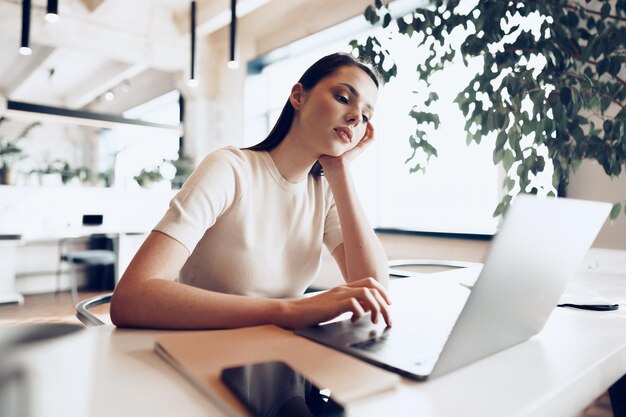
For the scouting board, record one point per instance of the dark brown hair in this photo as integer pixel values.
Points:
(316, 72)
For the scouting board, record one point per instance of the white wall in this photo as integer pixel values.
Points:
(591, 183)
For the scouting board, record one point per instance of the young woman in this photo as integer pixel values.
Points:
(242, 240)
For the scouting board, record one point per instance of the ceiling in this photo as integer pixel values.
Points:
(133, 48)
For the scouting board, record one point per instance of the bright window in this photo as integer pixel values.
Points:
(127, 149)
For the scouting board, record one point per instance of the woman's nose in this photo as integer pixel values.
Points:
(353, 118)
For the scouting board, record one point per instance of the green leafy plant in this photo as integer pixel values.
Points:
(148, 176)
(68, 172)
(10, 151)
(574, 104)
(184, 167)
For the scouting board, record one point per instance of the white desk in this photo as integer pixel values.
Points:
(579, 354)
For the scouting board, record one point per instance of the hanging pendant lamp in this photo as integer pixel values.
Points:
(24, 48)
(193, 81)
(52, 11)
(233, 63)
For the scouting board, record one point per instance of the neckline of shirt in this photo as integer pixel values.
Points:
(275, 173)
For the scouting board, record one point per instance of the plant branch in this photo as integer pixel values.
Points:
(615, 76)
(575, 9)
(612, 99)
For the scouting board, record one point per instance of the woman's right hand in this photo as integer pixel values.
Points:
(358, 297)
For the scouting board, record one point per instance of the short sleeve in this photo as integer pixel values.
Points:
(332, 227)
(211, 189)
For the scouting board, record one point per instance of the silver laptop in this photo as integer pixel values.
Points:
(440, 325)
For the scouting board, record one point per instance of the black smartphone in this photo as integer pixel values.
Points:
(274, 389)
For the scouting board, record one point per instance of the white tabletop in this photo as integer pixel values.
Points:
(104, 371)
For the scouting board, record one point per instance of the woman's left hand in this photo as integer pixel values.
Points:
(331, 162)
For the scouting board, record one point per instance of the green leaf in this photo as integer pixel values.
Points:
(425, 117)
(606, 9)
(431, 97)
(386, 20)
(509, 183)
(369, 11)
(571, 20)
(608, 127)
(498, 154)
(614, 66)
(603, 65)
(508, 160)
(371, 15)
(417, 168)
(617, 207)
(503, 206)
(402, 25)
(566, 95)
(501, 139)
(499, 210)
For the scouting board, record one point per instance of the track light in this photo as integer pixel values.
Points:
(24, 48)
(193, 81)
(52, 11)
(233, 63)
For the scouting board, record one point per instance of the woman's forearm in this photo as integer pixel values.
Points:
(364, 254)
(164, 304)
(159, 303)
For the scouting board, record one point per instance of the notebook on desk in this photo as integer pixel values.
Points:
(436, 330)
(201, 355)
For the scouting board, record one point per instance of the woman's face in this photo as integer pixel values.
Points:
(334, 114)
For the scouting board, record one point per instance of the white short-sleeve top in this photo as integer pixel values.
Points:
(248, 230)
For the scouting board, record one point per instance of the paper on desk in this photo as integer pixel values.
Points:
(200, 357)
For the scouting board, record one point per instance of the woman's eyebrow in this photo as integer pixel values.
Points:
(356, 94)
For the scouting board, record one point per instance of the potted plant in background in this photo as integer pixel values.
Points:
(70, 175)
(184, 167)
(67, 173)
(51, 175)
(574, 105)
(10, 153)
(147, 177)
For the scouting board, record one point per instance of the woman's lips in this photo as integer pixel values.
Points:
(343, 135)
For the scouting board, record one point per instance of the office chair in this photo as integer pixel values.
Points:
(85, 316)
(88, 257)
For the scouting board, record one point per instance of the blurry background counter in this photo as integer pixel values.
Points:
(34, 219)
